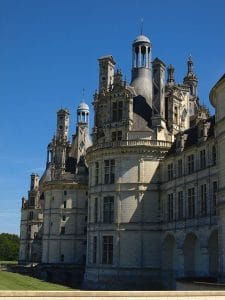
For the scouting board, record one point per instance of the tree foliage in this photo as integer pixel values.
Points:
(9, 246)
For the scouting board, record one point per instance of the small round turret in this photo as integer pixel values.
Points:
(141, 70)
(83, 113)
(141, 52)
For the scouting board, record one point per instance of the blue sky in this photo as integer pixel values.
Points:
(48, 54)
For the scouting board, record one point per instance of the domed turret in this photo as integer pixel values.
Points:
(83, 113)
(141, 38)
(141, 71)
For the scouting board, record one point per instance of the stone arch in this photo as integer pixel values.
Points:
(213, 254)
(168, 261)
(169, 253)
(192, 255)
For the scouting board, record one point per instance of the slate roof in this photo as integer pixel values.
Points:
(191, 136)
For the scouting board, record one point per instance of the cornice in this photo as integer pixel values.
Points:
(59, 185)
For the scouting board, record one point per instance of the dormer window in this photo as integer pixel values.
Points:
(203, 131)
(180, 142)
(117, 111)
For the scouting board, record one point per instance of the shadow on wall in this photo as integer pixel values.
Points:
(142, 113)
(140, 242)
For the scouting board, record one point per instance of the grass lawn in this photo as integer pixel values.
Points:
(8, 262)
(16, 282)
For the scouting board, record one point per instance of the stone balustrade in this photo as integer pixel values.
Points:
(130, 143)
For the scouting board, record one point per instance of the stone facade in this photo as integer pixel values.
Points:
(142, 205)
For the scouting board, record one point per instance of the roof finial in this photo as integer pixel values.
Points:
(142, 25)
(190, 65)
(83, 93)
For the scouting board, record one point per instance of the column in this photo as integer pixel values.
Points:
(202, 266)
(146, 57)
(133, 58)
(180, 263)
(139, 56)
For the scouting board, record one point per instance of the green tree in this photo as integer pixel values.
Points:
(9, 246)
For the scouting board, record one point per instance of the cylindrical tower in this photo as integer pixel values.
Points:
(123, 237)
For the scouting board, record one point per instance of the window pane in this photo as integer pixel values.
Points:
(108, 210)
(107, 257)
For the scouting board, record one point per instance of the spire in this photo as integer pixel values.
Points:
(190, 65)
(142, 25)
(190, 72)
(170, 75)
(83, 94)
(191, 79)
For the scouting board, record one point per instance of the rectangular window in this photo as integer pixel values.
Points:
(190, 160)
(120, 111)
(191, 203)
(62, 230)
(62, 258)
(170, 171)
(202, 159)
(180, 167)
(114, 111)
(65, 193)
(64, 204)
(119, 135)
(214, 198)
(31, 215)
(96, 211)
(109, 171)
(117, 111)
(94, 258)
(96, 173)
(203, 199)
(108, 210)
(116, 136)
(32, 201)
(107, 257)
(170, 207)
(180, 205)
(213, 154)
